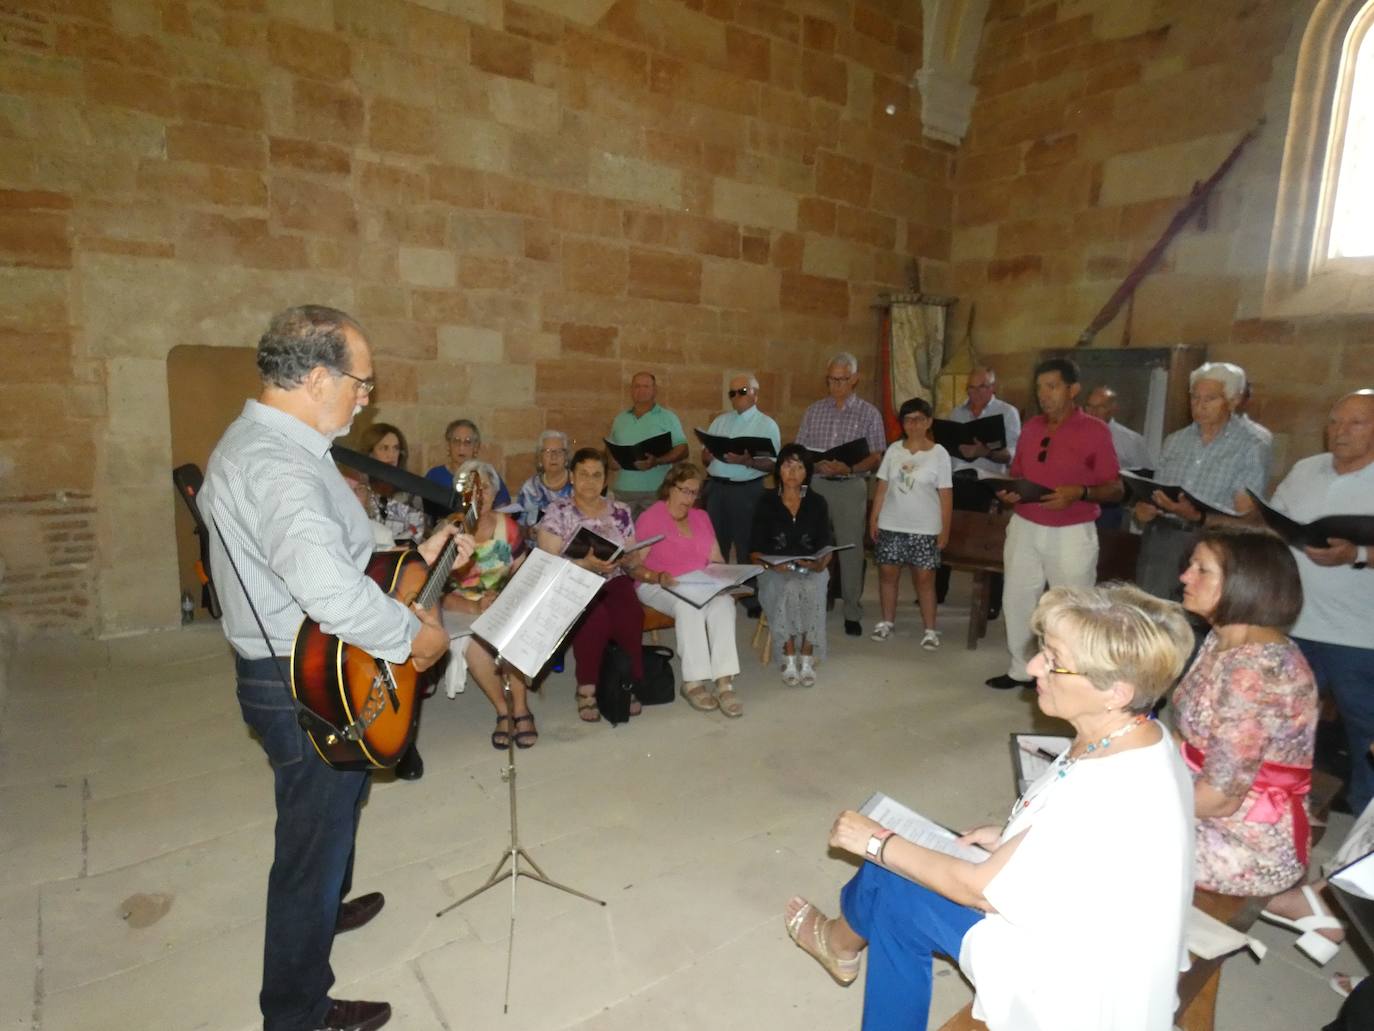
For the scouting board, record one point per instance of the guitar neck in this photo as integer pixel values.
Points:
(434, 585)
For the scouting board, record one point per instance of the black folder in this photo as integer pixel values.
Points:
(851, 453)
(722, 446)
(628, 454)
(1358, 529)
(990, 430)
(1138, 488)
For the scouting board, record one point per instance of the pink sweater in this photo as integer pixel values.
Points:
(676, 553)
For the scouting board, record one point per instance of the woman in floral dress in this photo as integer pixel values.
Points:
(1247, 713)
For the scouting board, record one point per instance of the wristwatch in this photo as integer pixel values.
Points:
(875, 844)
(1361, 557)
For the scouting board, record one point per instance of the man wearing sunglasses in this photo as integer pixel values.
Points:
(736, 480)
(1054, 540)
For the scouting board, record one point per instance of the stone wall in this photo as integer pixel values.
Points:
(524, 203)
(1094, 118)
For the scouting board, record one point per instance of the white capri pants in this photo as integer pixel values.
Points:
(705, 636)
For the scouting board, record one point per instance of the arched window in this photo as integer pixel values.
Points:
(1348, 222)
(1321, 253)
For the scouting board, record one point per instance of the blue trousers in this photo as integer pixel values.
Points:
(905, 924)
(312, 865)
(1348, 674)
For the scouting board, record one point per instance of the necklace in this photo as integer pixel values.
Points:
(1066, 761)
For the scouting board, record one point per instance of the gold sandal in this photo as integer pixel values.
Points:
(698, 697)
(728, 701)
(844, 971)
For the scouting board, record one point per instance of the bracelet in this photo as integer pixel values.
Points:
(882, 850)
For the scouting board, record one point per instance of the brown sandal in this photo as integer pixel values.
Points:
(500, 737)
(698, 697)
(587, 711)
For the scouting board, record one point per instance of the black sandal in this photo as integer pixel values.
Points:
(500, 737)
(526, 738)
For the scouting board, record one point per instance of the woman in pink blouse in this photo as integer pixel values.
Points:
(705, 636)
(1247, 713)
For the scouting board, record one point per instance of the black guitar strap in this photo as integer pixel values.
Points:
(445, 498)
(310, 720)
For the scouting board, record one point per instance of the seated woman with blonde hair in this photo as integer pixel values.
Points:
(1074, 920)
(705, 636)
(1247, 714)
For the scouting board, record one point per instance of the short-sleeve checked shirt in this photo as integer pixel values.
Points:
(1214, 472)
(824, 426)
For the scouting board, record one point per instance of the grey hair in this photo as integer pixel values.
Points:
(1230, 376)
(847, 360)
(988, 370)
(300, 339)
(548, 435)
(483, 469)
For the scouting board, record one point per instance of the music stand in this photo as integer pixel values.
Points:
(513, 853)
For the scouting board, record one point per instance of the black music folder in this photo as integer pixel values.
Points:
(721, 446)
(851, 453)
(990, 430)
(1025, 488)
(1138, 488)
(628, 454)
(1358, 529)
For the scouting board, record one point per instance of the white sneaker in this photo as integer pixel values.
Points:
(789, 671)
(881, 631)
(808, 672)
(930, 640)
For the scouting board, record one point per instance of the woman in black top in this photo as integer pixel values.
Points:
(792, 521)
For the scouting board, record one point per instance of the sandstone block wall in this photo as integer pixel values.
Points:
(1094, 119)
(525, 203)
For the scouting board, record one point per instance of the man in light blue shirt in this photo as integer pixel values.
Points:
(645, 418)
(736, 479)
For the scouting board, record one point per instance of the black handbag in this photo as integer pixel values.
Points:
(615, 687)
(659, 686)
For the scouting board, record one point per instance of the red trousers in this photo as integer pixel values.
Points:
(615, 614)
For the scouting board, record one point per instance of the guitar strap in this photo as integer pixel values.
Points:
(310, 720)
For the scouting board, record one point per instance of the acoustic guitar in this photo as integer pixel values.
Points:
(373, 703)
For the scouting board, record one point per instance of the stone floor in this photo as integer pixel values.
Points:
(135, 835)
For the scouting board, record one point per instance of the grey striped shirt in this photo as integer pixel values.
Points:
(300, 538)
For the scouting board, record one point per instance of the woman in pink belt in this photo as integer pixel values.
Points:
(1247, 713)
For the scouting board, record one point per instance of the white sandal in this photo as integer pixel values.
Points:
(1318, 947)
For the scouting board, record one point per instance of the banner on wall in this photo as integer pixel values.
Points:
(913, 352)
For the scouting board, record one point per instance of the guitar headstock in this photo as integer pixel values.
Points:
(465, 489)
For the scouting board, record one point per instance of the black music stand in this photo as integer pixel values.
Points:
(513, 853)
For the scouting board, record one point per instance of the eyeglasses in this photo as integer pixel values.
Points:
(365, 386)
(686, 493)
(555, 451)
(465, 441)
(1050, 668)
(838, 379)
(1044, 449)
(741, 392)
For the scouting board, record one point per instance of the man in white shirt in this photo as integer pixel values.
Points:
(968, 460)
(1334, 628)
(1131, 449)
(736, 479)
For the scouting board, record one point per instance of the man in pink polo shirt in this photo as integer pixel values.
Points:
(1054, 540)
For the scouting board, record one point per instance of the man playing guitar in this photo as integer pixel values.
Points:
(297, 545)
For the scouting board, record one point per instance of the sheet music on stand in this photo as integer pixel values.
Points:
(536, 609)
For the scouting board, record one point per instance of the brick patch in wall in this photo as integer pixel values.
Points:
(49, 554)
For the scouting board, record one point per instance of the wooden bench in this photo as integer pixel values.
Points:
(1199, 984)
(976, 540)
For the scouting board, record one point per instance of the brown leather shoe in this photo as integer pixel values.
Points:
(356, 912)
(354, 1015)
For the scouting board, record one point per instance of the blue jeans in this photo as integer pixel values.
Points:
(1348, 674)
(312, 865)
(904, 924)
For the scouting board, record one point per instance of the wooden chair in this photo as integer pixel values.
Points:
(654, 621)
(763, 639)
